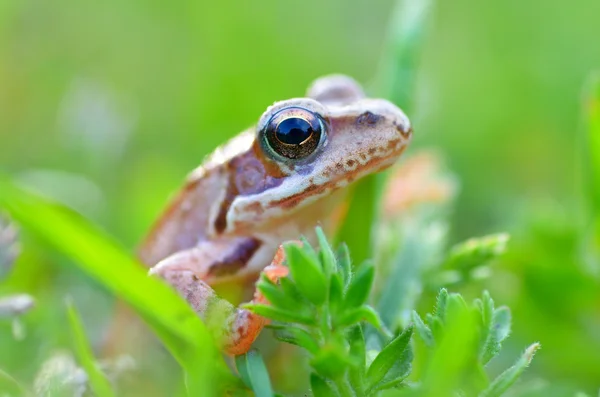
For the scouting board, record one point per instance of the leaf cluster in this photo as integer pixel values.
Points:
(460, 340)
(320, 308)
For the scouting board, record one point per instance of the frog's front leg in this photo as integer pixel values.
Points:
(192, 272)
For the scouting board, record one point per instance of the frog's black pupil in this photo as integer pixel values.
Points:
(294, 131)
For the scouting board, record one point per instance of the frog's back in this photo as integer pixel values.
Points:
(191, 215)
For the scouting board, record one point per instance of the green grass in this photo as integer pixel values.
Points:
(163, 310)
(321, 307)
(105, 106)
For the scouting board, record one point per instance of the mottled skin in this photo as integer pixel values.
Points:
(245, 200)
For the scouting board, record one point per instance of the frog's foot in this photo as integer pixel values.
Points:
(235, 329)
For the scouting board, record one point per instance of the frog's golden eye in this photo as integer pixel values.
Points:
(294, 132)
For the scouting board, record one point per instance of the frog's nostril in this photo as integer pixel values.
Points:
(403, 129)
(368, 119)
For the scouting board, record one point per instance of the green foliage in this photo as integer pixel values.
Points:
(591, 167)
(395, 80)
(460, 338)
(591, 148)
(330, 302)
(510, 376)
(253, 372)
(95, 115)
(97, 380)
(167, 314)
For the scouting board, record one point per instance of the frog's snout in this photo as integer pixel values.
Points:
(381, 113)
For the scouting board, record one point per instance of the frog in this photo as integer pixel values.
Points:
(272, 183)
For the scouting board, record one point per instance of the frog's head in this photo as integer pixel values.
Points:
(315, 145)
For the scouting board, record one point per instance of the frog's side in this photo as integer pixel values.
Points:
(265, 186)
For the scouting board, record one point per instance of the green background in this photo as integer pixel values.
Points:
(107, 105)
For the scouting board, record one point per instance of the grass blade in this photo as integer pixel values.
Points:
(397, 73)
(591, 155)
(395, 81)
(98, 382)
(254, 373)
(11, 386)
(169, 316)
(592, 141)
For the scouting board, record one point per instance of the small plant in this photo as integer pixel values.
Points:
(322, 307)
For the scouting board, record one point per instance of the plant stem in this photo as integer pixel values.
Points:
(344, 387)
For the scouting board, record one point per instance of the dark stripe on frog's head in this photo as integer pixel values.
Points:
(247, 174)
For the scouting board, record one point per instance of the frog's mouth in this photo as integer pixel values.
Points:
(353, 169)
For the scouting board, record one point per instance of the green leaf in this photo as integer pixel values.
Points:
(320, 387)
(331, 361)
(307, 273)
(356, 372)
(423, 330)
(398, 373)
(290, 289)
(386, 359)
(355, 316)
(278, 314)
(476, 252)
(169, 316)
(455, 355)
(344, 263)
(254, 373)
(490, 345)
(502, 320)
(336, 293)
(326, 253)
(436, 326)
(510, 376)
(278, 298)
(296, 336)
(440, 306)
(98, 382)
(402, 286)
(360, 286)
(308, 247)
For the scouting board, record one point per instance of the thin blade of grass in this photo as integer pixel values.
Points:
(591, 166)
(396, 77)
(592, 142)
(357, 229)
(395, 81)
(10, 385)
(174, 322)
(98, 382)
(254, 373)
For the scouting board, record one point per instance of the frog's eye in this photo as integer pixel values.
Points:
(294, 132)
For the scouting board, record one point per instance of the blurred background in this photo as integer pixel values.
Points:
(106, 106)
